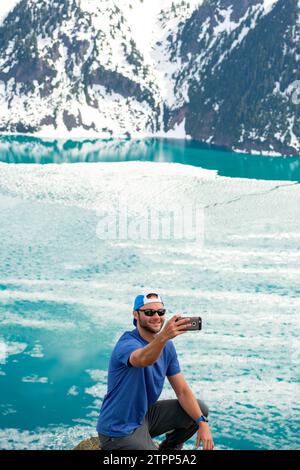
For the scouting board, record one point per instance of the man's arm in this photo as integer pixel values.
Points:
(185, 396)
(146, 356)
(190, 404)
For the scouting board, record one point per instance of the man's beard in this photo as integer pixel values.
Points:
(149, 328)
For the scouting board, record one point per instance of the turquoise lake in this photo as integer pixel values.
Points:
(68, 276)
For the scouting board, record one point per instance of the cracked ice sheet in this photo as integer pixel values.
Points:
(233, 208)
(81, 183)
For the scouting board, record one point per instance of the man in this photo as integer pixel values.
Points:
(131, 415)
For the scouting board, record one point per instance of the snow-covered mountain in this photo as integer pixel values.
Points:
(241, 63)
(221, 71)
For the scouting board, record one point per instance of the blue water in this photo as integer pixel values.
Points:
(66, 293)
(26, 149)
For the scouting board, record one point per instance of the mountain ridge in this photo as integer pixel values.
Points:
(211, 71)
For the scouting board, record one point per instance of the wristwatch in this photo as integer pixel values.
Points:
(202, 418)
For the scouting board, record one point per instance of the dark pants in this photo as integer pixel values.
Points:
(165, 416)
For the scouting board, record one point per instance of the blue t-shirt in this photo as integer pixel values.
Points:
(132, 390)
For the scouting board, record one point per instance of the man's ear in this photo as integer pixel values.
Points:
(135, 314)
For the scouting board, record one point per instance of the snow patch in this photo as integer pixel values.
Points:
(226, 25)
(6, 7)
(268, 5)
(294, 140)
(178, 132)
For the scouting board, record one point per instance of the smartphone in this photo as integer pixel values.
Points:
(195, 321)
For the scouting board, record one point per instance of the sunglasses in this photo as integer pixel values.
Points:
(150, 313)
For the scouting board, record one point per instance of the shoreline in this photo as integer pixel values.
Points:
(70, 137)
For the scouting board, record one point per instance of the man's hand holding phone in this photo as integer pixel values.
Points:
(175, 327)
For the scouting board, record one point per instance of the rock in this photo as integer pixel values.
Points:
(92, 443)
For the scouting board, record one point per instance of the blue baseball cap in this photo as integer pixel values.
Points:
(143, 299)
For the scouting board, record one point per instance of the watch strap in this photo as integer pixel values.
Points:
(202, 418)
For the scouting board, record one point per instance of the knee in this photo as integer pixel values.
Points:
(203, 407)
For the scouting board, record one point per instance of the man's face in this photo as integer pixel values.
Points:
(152, 324)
